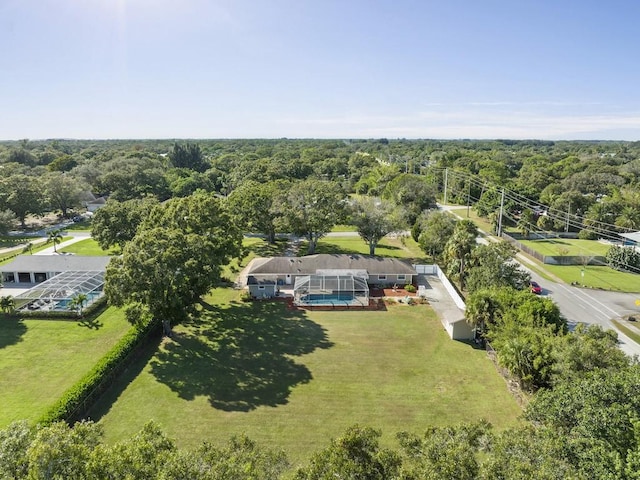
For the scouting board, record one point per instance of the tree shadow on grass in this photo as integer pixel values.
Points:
(135, 366)
(239, 356)
(12, 329)
(331, 248)
(91, 323)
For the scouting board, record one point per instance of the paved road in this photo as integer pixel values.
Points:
(592, 307)
(581, 305)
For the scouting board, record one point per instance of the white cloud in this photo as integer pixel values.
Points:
(478, 120)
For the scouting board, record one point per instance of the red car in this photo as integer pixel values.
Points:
(535, 288)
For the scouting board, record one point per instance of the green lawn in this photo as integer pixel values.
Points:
(344, 228)
(83, 226)
(573, 246)
(40, 359)
(254, 247)
(293, 380)
(388, 247)
(596, 276)
(629, 329)
(89, 247)
(482, 222)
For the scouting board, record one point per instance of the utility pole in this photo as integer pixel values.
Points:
(446, 175)
(566, 228)
(468, 197)
(500, 216)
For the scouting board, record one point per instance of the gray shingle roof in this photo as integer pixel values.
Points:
(311, 263)
(55, 263)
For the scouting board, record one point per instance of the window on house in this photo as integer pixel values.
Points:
(382, 277)
(261, 287)
(402, 277)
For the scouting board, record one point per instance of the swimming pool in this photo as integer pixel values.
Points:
(331, 299)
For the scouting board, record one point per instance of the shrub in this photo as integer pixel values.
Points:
(410, 288)
(587, 235)
(623, 258)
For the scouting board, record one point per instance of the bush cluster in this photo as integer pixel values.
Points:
(623, 258)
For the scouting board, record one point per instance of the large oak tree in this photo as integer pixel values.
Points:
(175, 258)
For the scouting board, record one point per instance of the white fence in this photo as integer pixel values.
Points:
(426, 269)
(435, 270)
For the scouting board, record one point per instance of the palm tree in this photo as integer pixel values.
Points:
(629, 218)
(77, 302)
(525, 222)
(28, 248)
(458, 250)
(56, 237)
(7, 304)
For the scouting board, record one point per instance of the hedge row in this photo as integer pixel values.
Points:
(75, 401)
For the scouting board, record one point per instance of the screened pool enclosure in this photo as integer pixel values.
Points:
(331, 290)
(57, 293)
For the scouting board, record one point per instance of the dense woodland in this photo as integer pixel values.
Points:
(177, 211)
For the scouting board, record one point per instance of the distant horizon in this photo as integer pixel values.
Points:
(196, 139)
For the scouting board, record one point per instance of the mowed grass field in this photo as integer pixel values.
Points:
(40, 359)
(296, 379)
(395, 247)
(567, 246)
(89, 247)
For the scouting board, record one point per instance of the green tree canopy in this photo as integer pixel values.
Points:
(434, 228)
(175, 258)
(62, 192)
(374, 219)
(412, 192)
(311, 208)
(117, 222)
(356, 454)
(494, 265)
(255, 206)
(188, 156)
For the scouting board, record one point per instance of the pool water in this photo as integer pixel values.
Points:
(345, 299)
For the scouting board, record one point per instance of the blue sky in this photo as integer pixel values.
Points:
(561, 69)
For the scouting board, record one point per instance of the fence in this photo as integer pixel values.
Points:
(437, 271)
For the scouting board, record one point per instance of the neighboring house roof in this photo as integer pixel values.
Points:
(98, 201)
(322, 263)
(633, 236)
(87, 196)
(55, 263)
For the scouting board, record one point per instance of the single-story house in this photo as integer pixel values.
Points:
(53, 281)
(265, 276)
(28, 270)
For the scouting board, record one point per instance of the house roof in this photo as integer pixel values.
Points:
(312, 264)
(633, 236)
(56, 263)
